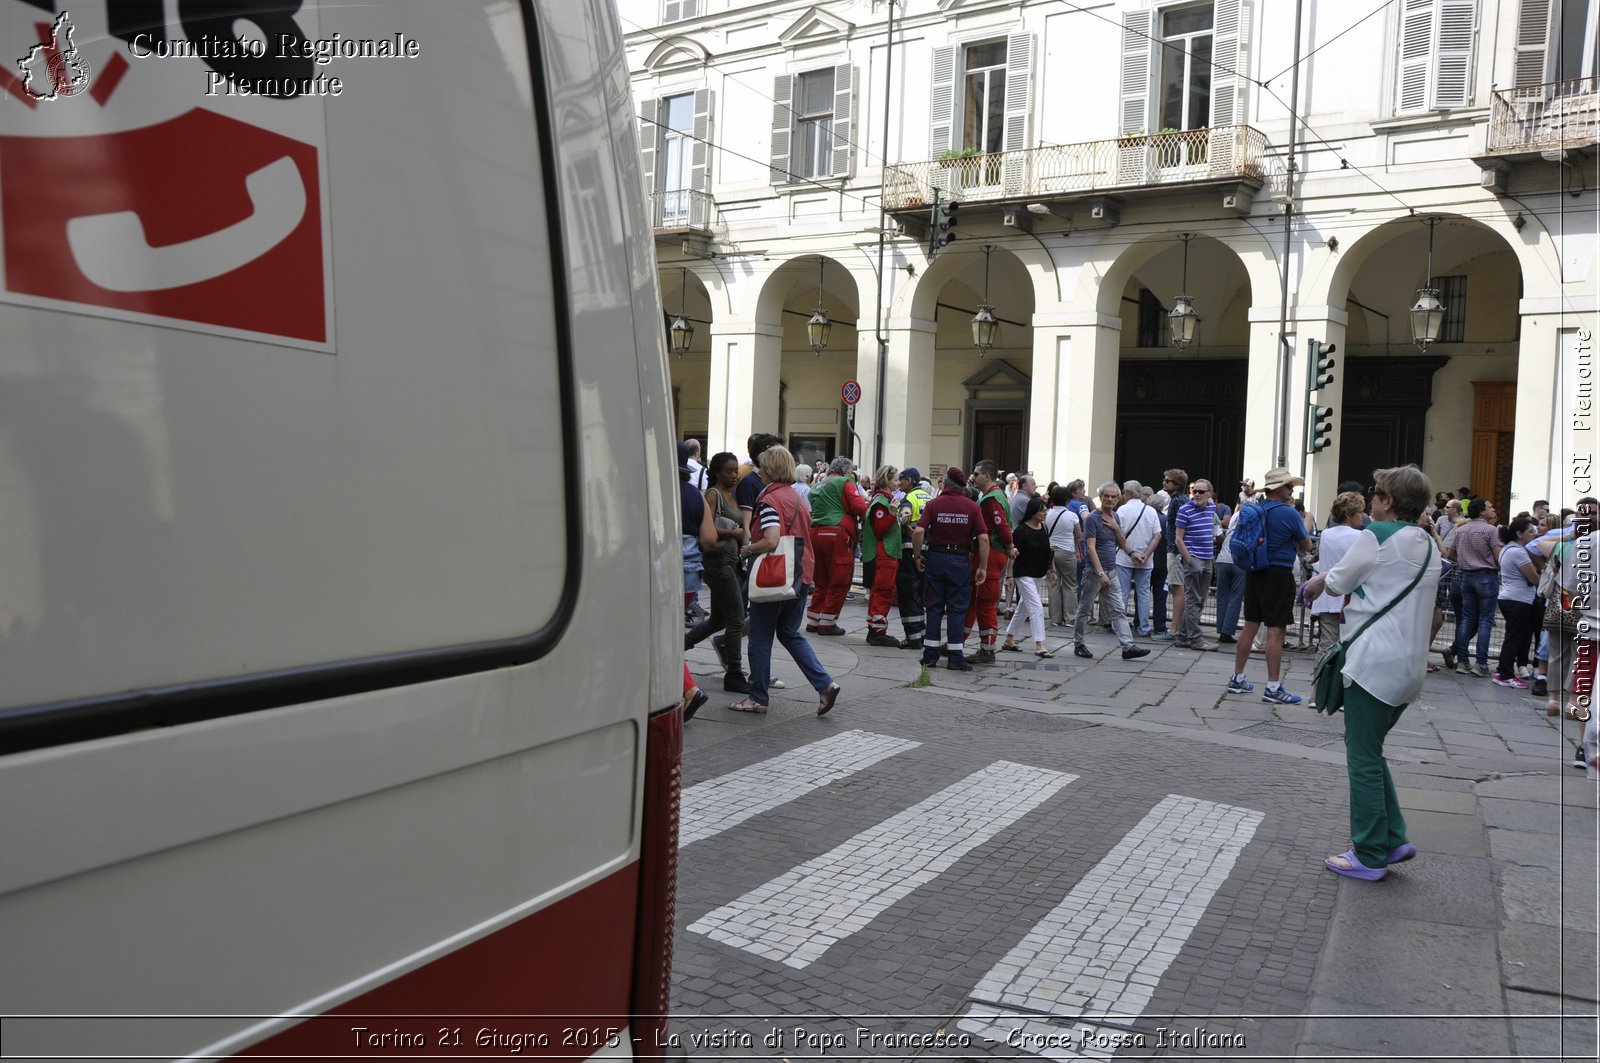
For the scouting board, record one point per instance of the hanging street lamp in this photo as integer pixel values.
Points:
(818, 327)
(1427, 317)
(1184, 322)
(985, 328)
(681, 333)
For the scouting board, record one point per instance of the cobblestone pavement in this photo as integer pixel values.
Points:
(1072, 859)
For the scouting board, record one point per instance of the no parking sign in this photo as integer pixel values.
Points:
(850, 392)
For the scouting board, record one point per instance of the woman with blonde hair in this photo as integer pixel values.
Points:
(780, 512)
(1349, 512)
(881, 543)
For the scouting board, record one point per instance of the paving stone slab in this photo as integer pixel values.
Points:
(1428, 967)
(1536, 816)
(1544, 895)
(1544, 1027)
(1553, 787)
(1574, 851)
(1400, 1036)
(1436, 800)
(1538, 957)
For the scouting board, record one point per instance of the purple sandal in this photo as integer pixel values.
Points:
(1402, 852)
(1354, 868)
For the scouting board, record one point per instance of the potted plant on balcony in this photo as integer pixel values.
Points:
(955, 155)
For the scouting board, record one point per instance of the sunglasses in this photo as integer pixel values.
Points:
(1200, 492)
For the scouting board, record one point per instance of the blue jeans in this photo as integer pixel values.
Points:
(1479, 592)
(1230, 596)
(946, 597)
(1139, 579)
(783, 620)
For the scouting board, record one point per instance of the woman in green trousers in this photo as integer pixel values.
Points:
(1384, 667)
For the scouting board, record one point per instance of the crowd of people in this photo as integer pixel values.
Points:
(958, 559)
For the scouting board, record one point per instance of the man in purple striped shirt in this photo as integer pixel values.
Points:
(1196, 527)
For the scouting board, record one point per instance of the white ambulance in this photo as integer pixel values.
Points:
(340, 608)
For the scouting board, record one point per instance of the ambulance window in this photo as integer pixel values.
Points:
(313, 408)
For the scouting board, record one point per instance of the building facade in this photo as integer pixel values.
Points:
(1288, 172)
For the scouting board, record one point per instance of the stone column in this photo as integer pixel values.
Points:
(1261, 396)
(1072, 430)
(745, 357)
(908, 395)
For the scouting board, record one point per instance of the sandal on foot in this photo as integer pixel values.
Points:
(1347, 864)
(1432, 668)
(1012, 646)
(1552, 709)
(1401, 853)
(748, 705)
(1043, 653)
(829, 696)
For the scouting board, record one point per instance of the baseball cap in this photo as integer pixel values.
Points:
(683, 458)
(911, 473)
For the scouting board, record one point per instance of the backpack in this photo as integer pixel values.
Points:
(1250, 537)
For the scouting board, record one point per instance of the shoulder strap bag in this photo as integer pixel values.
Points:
(775, 576)
(1328, 677)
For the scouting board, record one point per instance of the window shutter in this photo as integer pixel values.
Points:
(1453, 54)
(1134, 98)
(1228, 53)
(700, 158)
(1019, 99)
(1533, 42)
(941, 111)
(649, 139)
(691, 8)
(672, 11)
(782, 129)
(1416, 51)
(844, 109)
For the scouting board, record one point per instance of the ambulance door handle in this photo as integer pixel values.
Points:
(113, 251)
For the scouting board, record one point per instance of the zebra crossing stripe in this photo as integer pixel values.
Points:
(1101, 952)
(714, 806)
(798, 916)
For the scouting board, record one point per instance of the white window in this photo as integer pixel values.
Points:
(980, 103)
(1182, 67)
(678, 10)
(677, 152)
(812, 123)
(675, 139)
(813, 117)
(1184, 79)
(983, 96)
(1436, 47)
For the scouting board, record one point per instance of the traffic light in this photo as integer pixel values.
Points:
(1319, 364)
(943, 227)
(1319, 430)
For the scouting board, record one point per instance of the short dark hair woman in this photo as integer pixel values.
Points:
(1392, 561)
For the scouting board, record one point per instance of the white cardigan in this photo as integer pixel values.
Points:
(1391, 657)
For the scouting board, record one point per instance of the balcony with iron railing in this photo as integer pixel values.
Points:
(1534, 119)
(683, 212)
(1225, 154)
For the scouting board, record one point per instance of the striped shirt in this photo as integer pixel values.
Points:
(1198, 526)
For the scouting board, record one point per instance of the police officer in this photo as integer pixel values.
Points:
(909, 579)
(951, 528)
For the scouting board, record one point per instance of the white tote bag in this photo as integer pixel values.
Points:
(775, 577)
